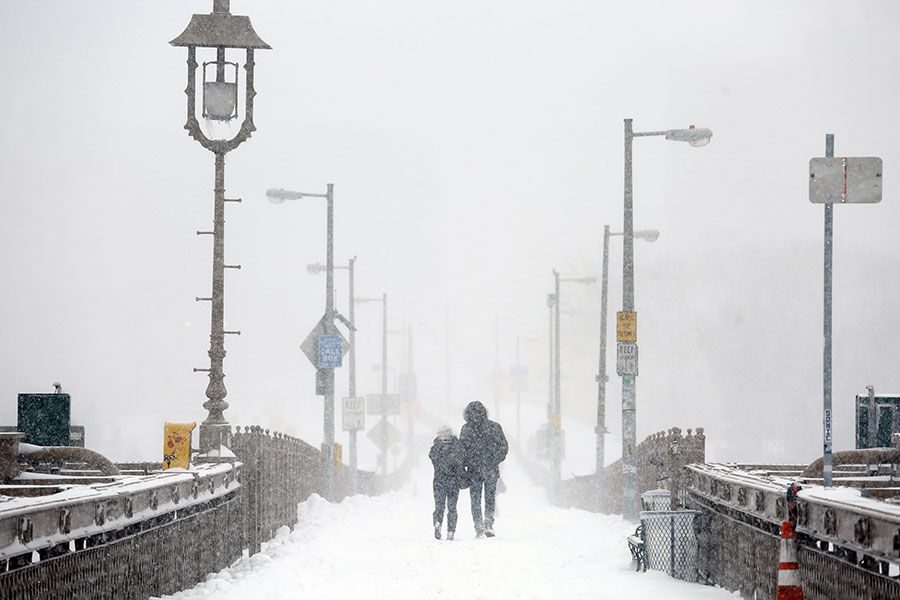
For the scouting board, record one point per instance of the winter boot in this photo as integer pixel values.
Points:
(450, 535)
(489, 531)
(437, 530)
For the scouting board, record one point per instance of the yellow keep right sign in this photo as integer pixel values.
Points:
(626, 326)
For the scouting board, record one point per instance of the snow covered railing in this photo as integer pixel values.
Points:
(136, 537)
(850, 545)
(839, 516)
(86, 515)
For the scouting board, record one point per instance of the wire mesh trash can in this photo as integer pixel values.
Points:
(670, 543)
(657, 500)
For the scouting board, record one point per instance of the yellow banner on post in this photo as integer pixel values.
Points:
(626, 326)
(177, 445)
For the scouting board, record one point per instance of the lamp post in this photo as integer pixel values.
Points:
(278, 196)
(695, 137)
(221, 31)
(382, 458)
(313, 270)
(650, 235)
(556, 416)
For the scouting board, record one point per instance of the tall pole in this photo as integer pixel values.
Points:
(384, 388)
(496, 375)
(518, 393)
(215, 427)
(410, 389)
(551, 403)
(556, 469)
(601, 371)
(629, 393)
(826, 362)
(329, 374)
(353, 456)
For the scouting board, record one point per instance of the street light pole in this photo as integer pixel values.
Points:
(601, 372)
(384, 369)
(353, 453)
(556, 417)
(695, 137)
(650, 235)
(230, 32)
(318, 268)
(277, 196)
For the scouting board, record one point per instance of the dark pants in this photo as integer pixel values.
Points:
(448, 494)
(490, 500)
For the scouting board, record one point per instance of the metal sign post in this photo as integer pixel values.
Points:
(845, 181)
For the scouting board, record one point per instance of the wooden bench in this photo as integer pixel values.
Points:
(636, 546)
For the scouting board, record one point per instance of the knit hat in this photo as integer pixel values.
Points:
(445, 433)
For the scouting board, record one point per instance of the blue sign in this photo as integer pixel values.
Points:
(330, 351)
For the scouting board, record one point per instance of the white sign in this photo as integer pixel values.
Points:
(626, 359)
(353, 415)
(845, 180)
(392, 406)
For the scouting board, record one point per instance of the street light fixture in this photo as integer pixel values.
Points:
(695, 137)
(326, 374)
(649, 235)
(555, 415)
(221, 31)
(382, 458)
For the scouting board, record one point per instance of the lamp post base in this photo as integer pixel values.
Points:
(213, 436)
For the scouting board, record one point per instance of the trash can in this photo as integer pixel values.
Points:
(670, 543)
(657, 500)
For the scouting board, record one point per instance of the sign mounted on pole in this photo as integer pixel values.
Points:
(373, 404)
(845, 180)
(626, 359)
(328, 350)
(383, 435)
(353, 414)
(626, 326)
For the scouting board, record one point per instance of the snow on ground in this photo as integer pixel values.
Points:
(380, 548)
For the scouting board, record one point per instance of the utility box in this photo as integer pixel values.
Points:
(877, 417)
(45, 419)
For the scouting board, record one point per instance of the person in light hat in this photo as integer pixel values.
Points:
(448, 457)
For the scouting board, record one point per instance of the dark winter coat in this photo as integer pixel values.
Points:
(484, 442)
(449, 457)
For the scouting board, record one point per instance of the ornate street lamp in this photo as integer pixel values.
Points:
(220, 31)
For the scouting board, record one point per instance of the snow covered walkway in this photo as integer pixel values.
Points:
(379, 548)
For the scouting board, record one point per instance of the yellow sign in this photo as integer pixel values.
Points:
(626, 326)
(338, 451)
(177, 445)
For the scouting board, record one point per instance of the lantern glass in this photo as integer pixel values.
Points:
(220, 96)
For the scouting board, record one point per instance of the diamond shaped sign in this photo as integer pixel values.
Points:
(311, 347)
(383, 435)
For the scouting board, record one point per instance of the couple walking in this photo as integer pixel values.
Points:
(471, 461)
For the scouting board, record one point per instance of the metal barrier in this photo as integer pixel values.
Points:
(152, 533)
(849, 547)
(670, 542)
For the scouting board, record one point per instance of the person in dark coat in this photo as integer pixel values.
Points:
(448, 457)
(486, 447)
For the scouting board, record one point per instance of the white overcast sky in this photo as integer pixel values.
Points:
(474, 146)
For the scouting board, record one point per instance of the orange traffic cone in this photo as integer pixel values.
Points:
(789, 587)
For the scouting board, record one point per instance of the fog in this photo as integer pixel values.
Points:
(474, 147)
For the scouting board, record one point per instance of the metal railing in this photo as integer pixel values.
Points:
(848, 547)
(148, 533)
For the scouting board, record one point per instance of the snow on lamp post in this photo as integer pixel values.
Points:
(215, 34)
